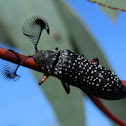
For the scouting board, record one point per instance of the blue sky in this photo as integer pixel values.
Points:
(14, 97)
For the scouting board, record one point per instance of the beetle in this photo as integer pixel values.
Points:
(71, 68)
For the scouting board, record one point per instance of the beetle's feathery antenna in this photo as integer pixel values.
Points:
(33, 28)
(8, 69)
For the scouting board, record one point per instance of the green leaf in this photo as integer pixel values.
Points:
(117, 107)
(3, 36)
(113, 4)
(110, 12)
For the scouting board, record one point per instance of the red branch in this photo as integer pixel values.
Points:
(29, 63)
(124, 83)
(32, 65)
(100, 105)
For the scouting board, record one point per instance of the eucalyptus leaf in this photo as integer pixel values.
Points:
(110, 12)
(113, 4)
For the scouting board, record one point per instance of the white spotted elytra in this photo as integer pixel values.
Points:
(69, 67)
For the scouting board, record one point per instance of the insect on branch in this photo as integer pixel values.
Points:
(29, 63)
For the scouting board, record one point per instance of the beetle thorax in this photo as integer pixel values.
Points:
(46, 59)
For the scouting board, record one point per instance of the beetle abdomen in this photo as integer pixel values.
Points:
(99, 81)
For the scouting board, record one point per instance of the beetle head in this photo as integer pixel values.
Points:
(47, 59)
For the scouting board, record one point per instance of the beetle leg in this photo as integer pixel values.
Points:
(20, 63)
(43, 79)
(66, 87)
(95, 60)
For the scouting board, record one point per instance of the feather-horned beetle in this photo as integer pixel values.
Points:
(71, 68)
